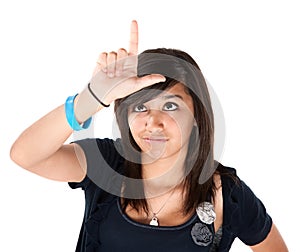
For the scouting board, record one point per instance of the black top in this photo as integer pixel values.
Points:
(106, 228)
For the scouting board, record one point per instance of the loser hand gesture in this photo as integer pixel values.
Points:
(115, 75)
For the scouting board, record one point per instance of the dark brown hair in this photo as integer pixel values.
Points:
(178, 67)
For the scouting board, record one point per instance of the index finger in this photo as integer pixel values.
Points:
(134, 38)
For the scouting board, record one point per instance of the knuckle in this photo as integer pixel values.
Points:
(103, 55)
(112, 53)
(122, 51)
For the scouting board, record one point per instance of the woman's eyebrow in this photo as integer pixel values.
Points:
(172, 96)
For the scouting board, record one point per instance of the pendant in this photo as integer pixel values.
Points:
(154, 221)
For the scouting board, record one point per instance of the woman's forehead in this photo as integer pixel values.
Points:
(177, 92)
(177, 88)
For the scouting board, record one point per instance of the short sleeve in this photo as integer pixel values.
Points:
(82, 184)
(103, 159)
(253, 219)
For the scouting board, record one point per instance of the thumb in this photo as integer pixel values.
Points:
(150, 79)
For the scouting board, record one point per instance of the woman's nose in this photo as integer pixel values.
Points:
(154, 121)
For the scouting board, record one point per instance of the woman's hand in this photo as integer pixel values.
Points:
(115, 75)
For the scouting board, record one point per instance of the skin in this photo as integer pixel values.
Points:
(56, 160)
(161, 128)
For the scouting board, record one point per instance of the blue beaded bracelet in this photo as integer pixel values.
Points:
(69, 109)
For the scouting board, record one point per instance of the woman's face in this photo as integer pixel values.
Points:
(162, 126)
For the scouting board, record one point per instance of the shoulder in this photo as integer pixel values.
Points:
(244, 213)
(100, 150)
(104, 161)
(96, 145)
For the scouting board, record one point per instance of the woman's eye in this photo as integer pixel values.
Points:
(170, 106)
(140, 108)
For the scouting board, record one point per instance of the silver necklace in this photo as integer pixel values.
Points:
(154, 220)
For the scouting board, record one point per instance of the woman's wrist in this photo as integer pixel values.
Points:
(80, 108)
(70, 115)
(96, 97)
(85, 106)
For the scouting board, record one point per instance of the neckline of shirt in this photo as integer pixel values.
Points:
(148, 226)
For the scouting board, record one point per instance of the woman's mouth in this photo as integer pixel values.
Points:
(155, 139)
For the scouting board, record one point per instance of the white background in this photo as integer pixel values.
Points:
(248, 51)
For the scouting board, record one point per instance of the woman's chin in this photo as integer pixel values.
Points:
(152, 156)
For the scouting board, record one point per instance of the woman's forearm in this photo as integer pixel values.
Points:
(41, 139)
(44, 137)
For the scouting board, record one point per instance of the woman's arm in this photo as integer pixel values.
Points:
(273, 243)
(41, 149)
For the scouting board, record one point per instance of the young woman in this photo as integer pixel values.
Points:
(157, 188)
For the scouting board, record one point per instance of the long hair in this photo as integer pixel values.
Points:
(178, 67)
